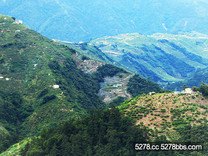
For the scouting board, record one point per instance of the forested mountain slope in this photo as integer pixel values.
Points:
(162, 57)
(199, 77)
(179, 117)
(43, 83)
(113, 132)
(40, 82)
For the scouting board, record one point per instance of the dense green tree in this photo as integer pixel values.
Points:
(107, 70)
(103, 132)
(184, 86)
(194, 88)
(204, 89)
(138, 85)
(116, 102)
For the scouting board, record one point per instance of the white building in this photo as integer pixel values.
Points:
(187, 91)
(151, 93)
(55, 86)
(18, 22)
(117, 85)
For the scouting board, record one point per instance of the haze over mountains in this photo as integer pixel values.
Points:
(162, 57)
(44, 83)
(83, 20)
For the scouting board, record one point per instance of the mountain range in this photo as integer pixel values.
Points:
(43, 83)
(165, 58)
(104, 54)
(83, 20)
(50, 96)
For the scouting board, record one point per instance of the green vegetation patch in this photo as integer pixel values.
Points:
(138, 85)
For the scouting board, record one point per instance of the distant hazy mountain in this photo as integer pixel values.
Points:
(83, 20)
(201, 75)
(162, 57)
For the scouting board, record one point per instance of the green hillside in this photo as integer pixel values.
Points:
(165, 118)
(162, 57)
(91, 51)
(43, 83)
(40, 82)
(170, 117)
(200, 76)
(15, 149)
(103, 132)
(138, 85)
(167, 113)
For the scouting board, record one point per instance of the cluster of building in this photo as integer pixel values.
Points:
(18, 22)
(185, 91)
(7, 79)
